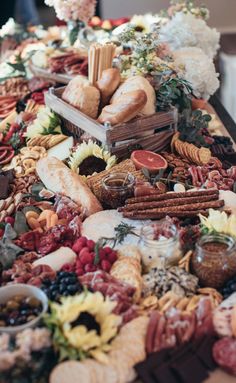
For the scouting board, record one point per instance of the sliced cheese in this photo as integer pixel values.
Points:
(62, 150)
(57, 259)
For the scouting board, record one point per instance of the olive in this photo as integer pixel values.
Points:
(19, 298)
(12, 305)
(33, 302)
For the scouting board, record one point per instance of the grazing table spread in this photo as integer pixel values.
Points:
(117, 201)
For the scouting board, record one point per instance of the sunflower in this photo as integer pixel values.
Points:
(90, 158)
(83, 325)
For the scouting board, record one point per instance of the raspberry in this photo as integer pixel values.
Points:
(90, 244)
(86, 258)
(106, 266)
(112, 257)
(84, 251)
(82, 241)
(78, 263)
(90, 268)
(102, 254)
(79, 272)
(68, 267)
(107, 250)
(77, 247)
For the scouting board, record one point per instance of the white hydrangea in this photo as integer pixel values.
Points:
(185, 30)
(194, 66)
(8, 28)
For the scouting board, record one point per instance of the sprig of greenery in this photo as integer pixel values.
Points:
(175, 91)
(121, 232)
(191, 124)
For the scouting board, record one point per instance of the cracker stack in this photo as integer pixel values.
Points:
(100, 58)
(199, 156)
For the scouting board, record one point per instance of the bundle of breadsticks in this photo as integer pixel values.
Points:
(181, 205)
(100, 58)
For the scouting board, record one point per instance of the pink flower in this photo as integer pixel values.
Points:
(67, 10)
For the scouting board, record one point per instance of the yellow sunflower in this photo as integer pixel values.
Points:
(86, 323)
(90, 158)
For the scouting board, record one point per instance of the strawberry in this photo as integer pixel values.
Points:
(90, 244)
(86, 258)
(106, 266)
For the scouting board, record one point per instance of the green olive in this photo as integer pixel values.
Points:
(19, 298)
(33, 302)
(12, 305)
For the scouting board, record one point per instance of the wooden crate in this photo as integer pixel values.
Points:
(60, 78)
(151, 132)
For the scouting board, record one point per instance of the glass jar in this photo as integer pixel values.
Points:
(116, 188)
(160, 245)
(214, 260)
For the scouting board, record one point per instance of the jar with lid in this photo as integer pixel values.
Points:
(214, 260)
(116, 188)
(160, 245)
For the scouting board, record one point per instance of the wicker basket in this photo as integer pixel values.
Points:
(151, 132)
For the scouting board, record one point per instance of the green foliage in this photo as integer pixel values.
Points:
(175, 91)
(191, 124)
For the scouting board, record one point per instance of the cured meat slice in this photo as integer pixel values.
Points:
(224, 353)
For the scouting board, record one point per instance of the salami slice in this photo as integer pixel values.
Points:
(224, 353)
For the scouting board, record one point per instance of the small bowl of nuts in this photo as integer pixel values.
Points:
(21, 307)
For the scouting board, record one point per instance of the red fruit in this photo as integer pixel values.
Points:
(112, 257)
(86, 258)
(9, 220)
(92, 255)
(149, 160)
(77, 247)
(67, 267)
(90, 268)
(90, 244)
(106, 266)
(78, 264)
(102, 254)
(82, 240)
(84, 251)
(79, 272)
(107, 250)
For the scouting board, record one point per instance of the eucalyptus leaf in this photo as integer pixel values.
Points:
(20, 225)
(146, 173)
(37, 188)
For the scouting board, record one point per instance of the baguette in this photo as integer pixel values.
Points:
(108, 83)
(124, 109)
(58, 178)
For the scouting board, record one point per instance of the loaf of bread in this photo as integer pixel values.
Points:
(82, 96)
(124, 108)
(108, 84)
(138, 83)
(57, 177)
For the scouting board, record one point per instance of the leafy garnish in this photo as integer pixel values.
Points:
(20, 225)
(97, 256)
(8, 250)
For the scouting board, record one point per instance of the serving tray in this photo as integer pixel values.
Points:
(150, 132)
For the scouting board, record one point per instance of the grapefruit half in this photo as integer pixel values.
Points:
(149, 160)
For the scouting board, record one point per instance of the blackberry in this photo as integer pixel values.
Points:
(229, 287)
(65, 283)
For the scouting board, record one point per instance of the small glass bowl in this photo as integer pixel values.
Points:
(10, 291)
(116, 188)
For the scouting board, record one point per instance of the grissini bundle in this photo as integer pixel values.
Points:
(58, 178)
